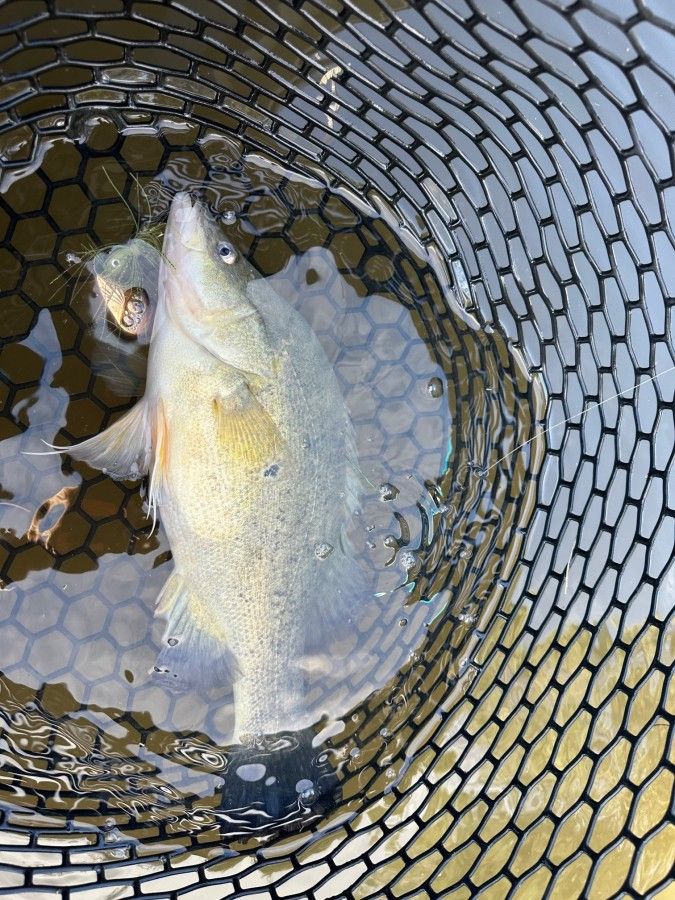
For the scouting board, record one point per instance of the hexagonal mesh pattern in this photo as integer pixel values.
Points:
(529, 144)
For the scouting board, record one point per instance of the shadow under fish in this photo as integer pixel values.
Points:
(284, 781)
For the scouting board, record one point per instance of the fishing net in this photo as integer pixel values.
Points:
(525, 149)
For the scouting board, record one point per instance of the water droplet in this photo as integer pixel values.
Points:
(172, 641)
(390, 773)
(408, 559)
(73, 259)
(467, 617)
(388, 492)
(370, 528)
(402, 622)
(109, 823)
(371, 545)
(355, 753)
(323, 550)
(229, 217)
(309, 796)
(385, 733)
(435, 387)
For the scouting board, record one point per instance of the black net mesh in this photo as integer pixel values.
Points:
(527, 146)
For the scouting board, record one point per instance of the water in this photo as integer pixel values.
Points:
(435, 404)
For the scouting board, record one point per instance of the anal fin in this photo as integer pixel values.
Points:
(194, 653)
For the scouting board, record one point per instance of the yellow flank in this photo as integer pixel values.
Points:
(245, 430)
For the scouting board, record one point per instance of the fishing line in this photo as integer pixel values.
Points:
(579, 415)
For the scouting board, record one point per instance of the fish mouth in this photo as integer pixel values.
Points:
(189, 221)
(183, 214)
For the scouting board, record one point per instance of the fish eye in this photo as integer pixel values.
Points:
(227, 253)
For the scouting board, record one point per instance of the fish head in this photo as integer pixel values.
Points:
(199, 260)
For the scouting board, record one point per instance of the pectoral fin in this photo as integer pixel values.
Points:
(245, 428)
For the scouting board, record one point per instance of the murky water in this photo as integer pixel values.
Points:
(439, 410)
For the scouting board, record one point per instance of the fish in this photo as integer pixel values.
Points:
(253, 472)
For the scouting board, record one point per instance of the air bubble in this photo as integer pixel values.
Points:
(408, 559)
(435, 387)
(229, 217)
(309, 796)
(388, 492)
(323, 550)
(402, 622)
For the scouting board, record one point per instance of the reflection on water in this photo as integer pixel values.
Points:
(433, 403)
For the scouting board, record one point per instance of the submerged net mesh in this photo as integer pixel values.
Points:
(530, 145)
